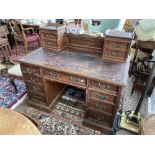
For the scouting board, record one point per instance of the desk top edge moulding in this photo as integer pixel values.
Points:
(79, 63)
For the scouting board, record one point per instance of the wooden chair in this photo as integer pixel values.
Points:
(25, 35)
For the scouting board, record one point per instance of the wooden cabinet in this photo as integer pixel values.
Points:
(52, 37)
(117, 46)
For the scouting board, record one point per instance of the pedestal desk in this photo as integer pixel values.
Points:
(47, 73)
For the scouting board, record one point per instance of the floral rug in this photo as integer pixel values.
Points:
(64, 120)
(7, 94)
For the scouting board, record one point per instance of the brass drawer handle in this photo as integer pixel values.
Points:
(53, 74)
(115, 53)
(100, 107)
(103, 97)
(34, 79)
(116, 46)
(99, 118)
(35, 88)
(31, 71)
(76, 79)
(105, 86)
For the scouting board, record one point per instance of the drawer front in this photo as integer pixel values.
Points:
(102, 96)
(65, 77)
(103, 86)
(38, 97)
(47, 42)
(26, 69)
(33, 78)
(35, 88)
(48, 35)
(116, 54)
(101, 106)
(99, 116)
(117, 45)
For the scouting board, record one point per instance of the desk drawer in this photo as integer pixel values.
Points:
(103, 86)
(65, 77)
(33, 78)
(99, 116)
(102, 96)
(109, 108)
(35, 88)
(38, 97)
(26, 69)
(115, 45)
(115, 54)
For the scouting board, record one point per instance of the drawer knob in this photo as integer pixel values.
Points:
(116, 46)
(105, 86)
(115, 53)
(100, 107)
(34, 79)
(103, 97)
(35, 88)
(53, 74)
(75, 79)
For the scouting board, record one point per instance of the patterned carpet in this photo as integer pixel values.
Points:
(64, 120)
(7, 94)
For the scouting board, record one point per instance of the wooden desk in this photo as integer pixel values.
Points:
(14, 123)
(46, 74)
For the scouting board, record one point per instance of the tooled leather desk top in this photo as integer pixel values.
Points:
(80, 64)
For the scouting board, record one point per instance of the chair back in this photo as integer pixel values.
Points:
(16, 29)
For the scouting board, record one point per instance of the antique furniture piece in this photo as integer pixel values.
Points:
(5, 48)
(147, 127)
(117, 46)
(26, 36)
(36, 27)
(141, 74)
(144, 46)
(3, 31)
(52, 36)
(14, 123)
(47, 73)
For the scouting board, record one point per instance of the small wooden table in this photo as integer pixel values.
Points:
(148, 127)
(14, 123)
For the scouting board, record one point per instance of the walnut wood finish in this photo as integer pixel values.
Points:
(47, 73)
(117, 46)
(84, 43)
(52, 36)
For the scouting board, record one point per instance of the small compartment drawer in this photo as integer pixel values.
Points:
(103, 86)
(116, 45)
(99, 116)
(49, 35)
(102, 96)
(48, 42)
(117, 54)
(38, 97)
(26, 69)
(65, 77)
(109, 108)
(35, 88)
